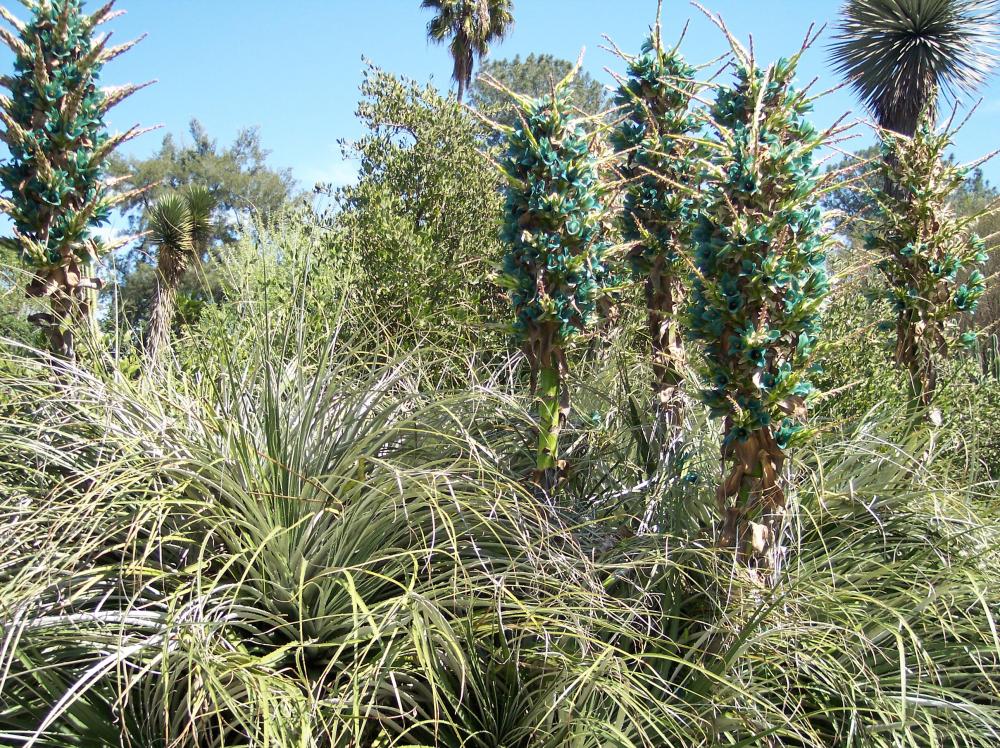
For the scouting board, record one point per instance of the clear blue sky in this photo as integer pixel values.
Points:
(292, 67)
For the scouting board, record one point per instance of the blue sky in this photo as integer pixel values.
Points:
(292, 67)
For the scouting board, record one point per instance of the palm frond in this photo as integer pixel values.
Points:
(170, 223)
(201, 205)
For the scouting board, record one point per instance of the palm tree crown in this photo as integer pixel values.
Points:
(180, 225)
(898, 53)
(472, 25)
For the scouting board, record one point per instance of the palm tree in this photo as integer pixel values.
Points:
(180, 226)
(899, 53)
(472, 25)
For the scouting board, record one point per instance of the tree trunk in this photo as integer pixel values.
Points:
(753, 503)
(160, 322)
(72, 297)
(170, 267)
(918, 343)
(663, 293)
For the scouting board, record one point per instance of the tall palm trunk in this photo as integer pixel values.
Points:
(170, 267)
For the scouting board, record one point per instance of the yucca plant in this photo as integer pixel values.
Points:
(472, 25)
(759, 285)
(555, 265)
(929, 256)
(55, 191)
(180, 226)
(899, 54)
(661, 165)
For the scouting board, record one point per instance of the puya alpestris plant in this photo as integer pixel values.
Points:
(759, 284)
(56, 194)
(660, 163)
(555, 267)
(930, 258)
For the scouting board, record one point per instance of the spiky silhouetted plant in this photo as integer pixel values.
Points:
(661, 163)
(180, 226)
(760, 282)
(930, 257)
(58, 146)
(472, 25)
(554, 267)
(899, 53)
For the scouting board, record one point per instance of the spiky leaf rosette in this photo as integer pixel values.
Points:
(661, 159)
(931, 258)
(58, 143)
(897, 54)
(555, 266)
(760, 282)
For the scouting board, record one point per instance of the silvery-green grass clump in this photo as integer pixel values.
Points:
(930, 257)
(759, 285)
(53, 179)
(555, 267)
(661, 163)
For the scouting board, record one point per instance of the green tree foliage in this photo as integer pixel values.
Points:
(534, 76)
(929, 256)
(760, 282)
(471, 26)
(58, 144)
(661, 163)
(421, 223)
(555, 266)
(242, 185)
(898, 54)
(238, 175)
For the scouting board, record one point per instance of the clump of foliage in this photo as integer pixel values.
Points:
(421, 223)
(930, 257)
(662, 166)
(555, 267)
(58, 146)
(760, 282)
(898, 54)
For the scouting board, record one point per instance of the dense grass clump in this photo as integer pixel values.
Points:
(299, 546)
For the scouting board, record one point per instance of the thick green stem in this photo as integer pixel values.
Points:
(547, 460)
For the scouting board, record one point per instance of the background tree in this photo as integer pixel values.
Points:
(661, 162)
(58, 144)
(850, 204)
(422, 223)
(760, 282)
(535, 75)
(180, 225)
(241, 183)
(898, 54)
(472, 26)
